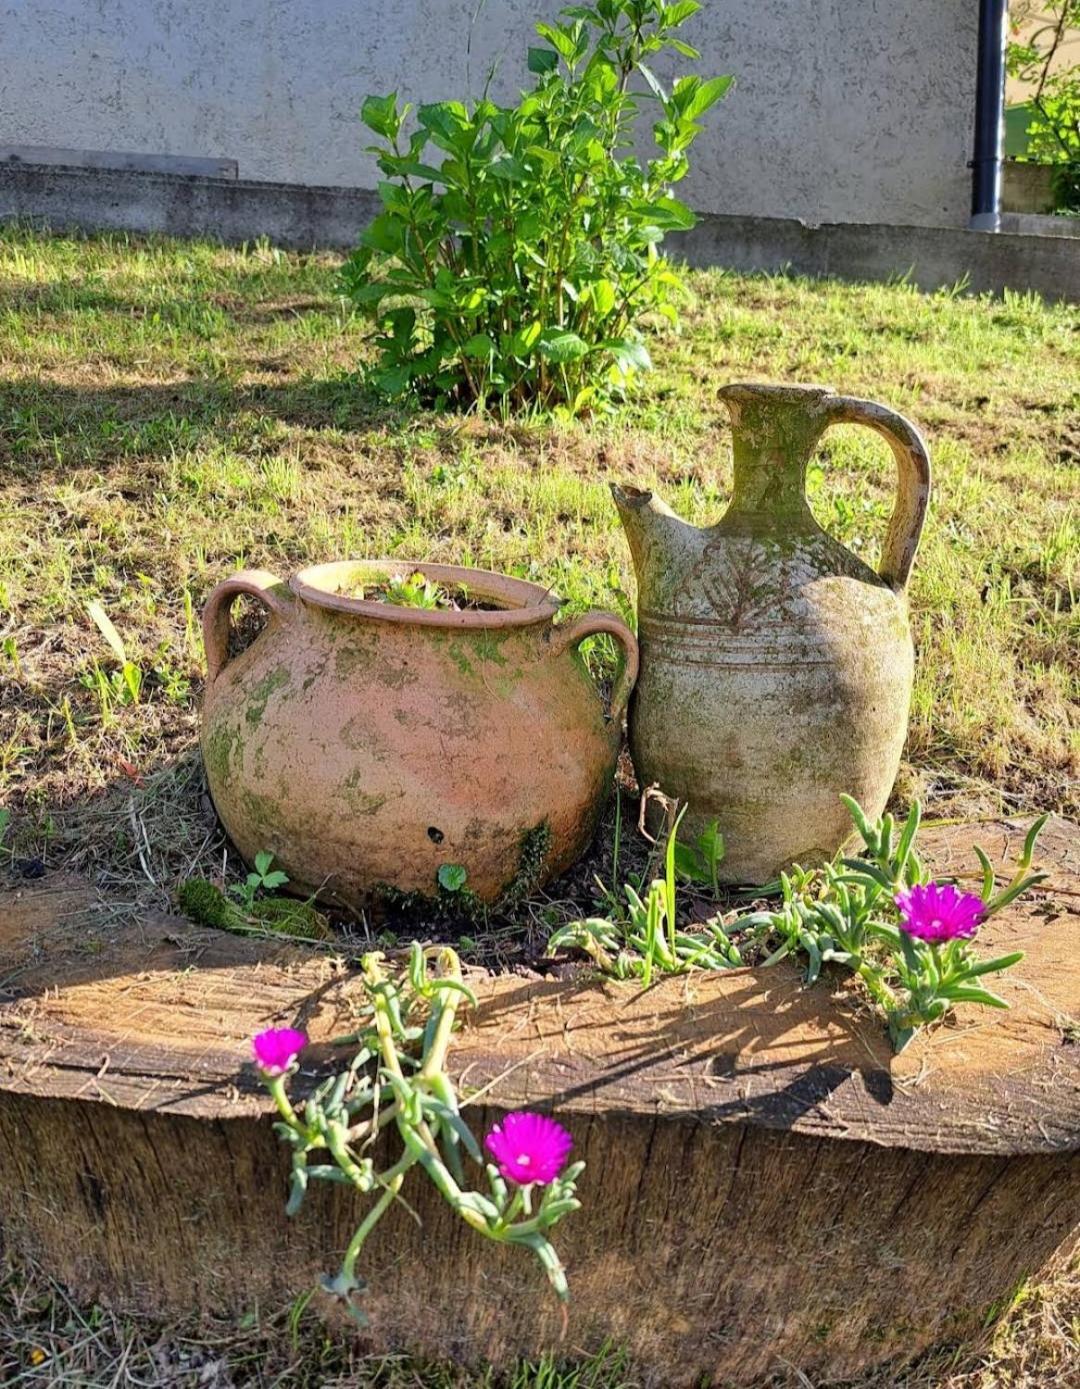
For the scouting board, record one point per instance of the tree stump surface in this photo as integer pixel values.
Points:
(758, 1159)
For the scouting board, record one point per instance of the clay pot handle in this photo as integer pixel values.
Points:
(256, 583)
(590, 625)
(913, 482)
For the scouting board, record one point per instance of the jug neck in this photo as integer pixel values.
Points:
(775, 430)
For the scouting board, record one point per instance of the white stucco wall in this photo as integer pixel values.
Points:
(843, 110)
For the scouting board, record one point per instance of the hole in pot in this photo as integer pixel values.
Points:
(435, 835)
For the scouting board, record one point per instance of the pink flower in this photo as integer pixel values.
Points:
(277, 1048)
(529, 1148)
(933, 912)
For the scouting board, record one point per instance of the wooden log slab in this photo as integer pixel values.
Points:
(766, 1182)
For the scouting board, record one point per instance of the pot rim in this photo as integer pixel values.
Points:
(527, 603)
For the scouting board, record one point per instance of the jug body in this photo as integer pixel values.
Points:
(776, 666)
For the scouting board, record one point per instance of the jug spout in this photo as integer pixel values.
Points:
(647, 521)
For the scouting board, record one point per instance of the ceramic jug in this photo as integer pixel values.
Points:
(373, 747)
(776, 666)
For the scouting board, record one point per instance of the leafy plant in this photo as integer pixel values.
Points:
(645, 937)
(700, 862)
(848, 913)
(1054, 132)
(452, 877)
(10, 648)
(860, 913)
(415, 591)
(396, 1080)
(116, 687)
(515, 260)
(261, 879)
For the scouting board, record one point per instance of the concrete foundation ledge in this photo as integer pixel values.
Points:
(301, 217)
(1038, 224)
(931, 257)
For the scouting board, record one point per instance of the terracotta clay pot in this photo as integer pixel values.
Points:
(367, 745)
(776, 666)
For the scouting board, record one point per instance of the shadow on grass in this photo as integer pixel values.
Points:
(46, 427)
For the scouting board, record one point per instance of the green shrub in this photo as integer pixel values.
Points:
(1054, 132)
(521, 268)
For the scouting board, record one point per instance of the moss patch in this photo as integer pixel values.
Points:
(207, 905)
(277, 679)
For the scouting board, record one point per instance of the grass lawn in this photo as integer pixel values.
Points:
(172, 412)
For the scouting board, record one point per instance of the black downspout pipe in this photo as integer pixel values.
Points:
(989, 116)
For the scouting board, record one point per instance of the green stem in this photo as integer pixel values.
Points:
(517, 1203)
(378, 1210)
(276, 1086)
(879, 991)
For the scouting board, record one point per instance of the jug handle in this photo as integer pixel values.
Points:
(590, 624)
(913, 481)
(256, 583)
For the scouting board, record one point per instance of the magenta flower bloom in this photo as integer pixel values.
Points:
(936, 912)
(277, 1048)
(529, 1148)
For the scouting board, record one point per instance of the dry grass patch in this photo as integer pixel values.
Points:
(50, 1341)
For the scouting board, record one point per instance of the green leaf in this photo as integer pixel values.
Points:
(692, 97)
(474, 1201)
(521, 343)
(509, 169)
(448, 125)
(372, 294)
(964, 995)
(569, 41)
(479, 346)
(452, 877)
(385, 233)
(461, 1130)
(543, 60)
(561, 346)
(380, 113)
(628, 353)
(907, 837)
(416, 169)
(686, 49)
(603, 296)
(992, 966)
(861, 869)
(392, 381)
(670, 214)
(678, 13)
(859, 820)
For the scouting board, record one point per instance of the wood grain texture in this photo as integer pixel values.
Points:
(764, 1178)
